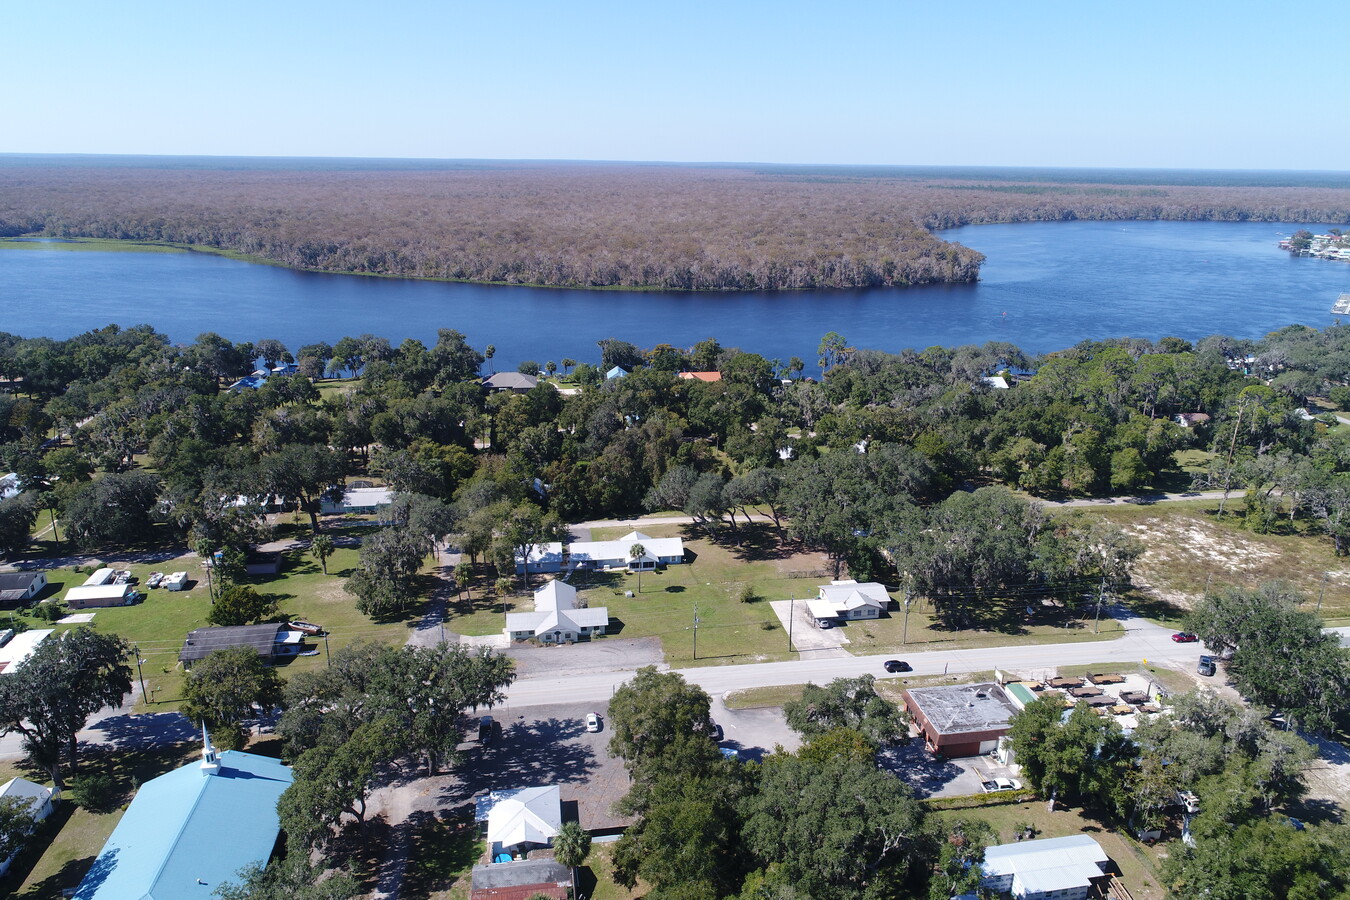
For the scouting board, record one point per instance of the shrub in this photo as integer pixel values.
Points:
(96, 793)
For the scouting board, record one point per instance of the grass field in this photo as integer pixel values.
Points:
(159, 624)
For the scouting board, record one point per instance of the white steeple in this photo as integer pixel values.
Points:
(210, 761)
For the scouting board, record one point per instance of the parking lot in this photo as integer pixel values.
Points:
(545, 745)
(933, 777)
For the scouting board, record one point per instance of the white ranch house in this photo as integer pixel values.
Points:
(848, 600)
(556, 618)
(614, 554)
(542, 558)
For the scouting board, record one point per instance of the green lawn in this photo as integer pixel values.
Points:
(734, 631)
(159, 624)
(595, 879)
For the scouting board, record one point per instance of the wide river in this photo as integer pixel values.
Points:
(1044, 286)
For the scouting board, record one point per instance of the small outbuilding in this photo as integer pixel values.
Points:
(521, 879)
(41, 801)
(20, 587)
(358, 501)
(960, 719)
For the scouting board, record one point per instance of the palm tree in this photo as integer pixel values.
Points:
(636, 552)
(322, 548)
(570, 845)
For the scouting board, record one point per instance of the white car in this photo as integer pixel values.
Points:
(995, 785)
(592, 722)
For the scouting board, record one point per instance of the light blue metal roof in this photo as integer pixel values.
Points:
(189, 831)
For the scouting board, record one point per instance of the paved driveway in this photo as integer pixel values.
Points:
(601, 655)
(822, 642)
(754, 732)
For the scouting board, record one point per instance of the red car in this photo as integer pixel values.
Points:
(1185, 637)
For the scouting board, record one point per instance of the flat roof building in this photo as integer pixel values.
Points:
(21, 646)
(270, 640)
(1063, 868)
(962, 719)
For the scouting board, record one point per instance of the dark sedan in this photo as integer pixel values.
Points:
(896, 665)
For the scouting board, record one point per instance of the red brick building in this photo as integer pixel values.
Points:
(960, 720)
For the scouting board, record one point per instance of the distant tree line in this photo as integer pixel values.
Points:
(679, 228)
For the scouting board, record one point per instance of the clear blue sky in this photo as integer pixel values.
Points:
(1138, 84)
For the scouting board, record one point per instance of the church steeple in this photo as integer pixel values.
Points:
(210, 760)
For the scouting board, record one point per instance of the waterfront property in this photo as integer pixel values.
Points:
(516, 382)
(191, 830)
(557, 617)
(962, 719)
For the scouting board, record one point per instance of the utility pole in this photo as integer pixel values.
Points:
(695, 631)
(326, 654)
(145, 698)
(905, 638)
(1321, 592)
(1101, 597)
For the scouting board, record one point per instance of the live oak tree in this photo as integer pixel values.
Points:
(51, 695)
(1281, 656)
(240, 604)
(227, 687)
(384, 582)
(115, 509)
(661, 725)
(304, 474)
(847, 703)
(374, 705)
(835, 828)
(293, 877)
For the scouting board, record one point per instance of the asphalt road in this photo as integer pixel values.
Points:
(1141, 641)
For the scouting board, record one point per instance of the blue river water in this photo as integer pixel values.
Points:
(1044, 286)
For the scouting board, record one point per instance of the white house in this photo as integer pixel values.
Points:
(1062, 868)
(41, 801)
(556, 618)
(521, 819)
(359, 500)
(848, 600)
(19, 647)
(614, 554)
(542, 558)
(9, 486)
(18, 587)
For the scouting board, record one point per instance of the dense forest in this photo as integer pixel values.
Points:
(872, 463)
(613, 225)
